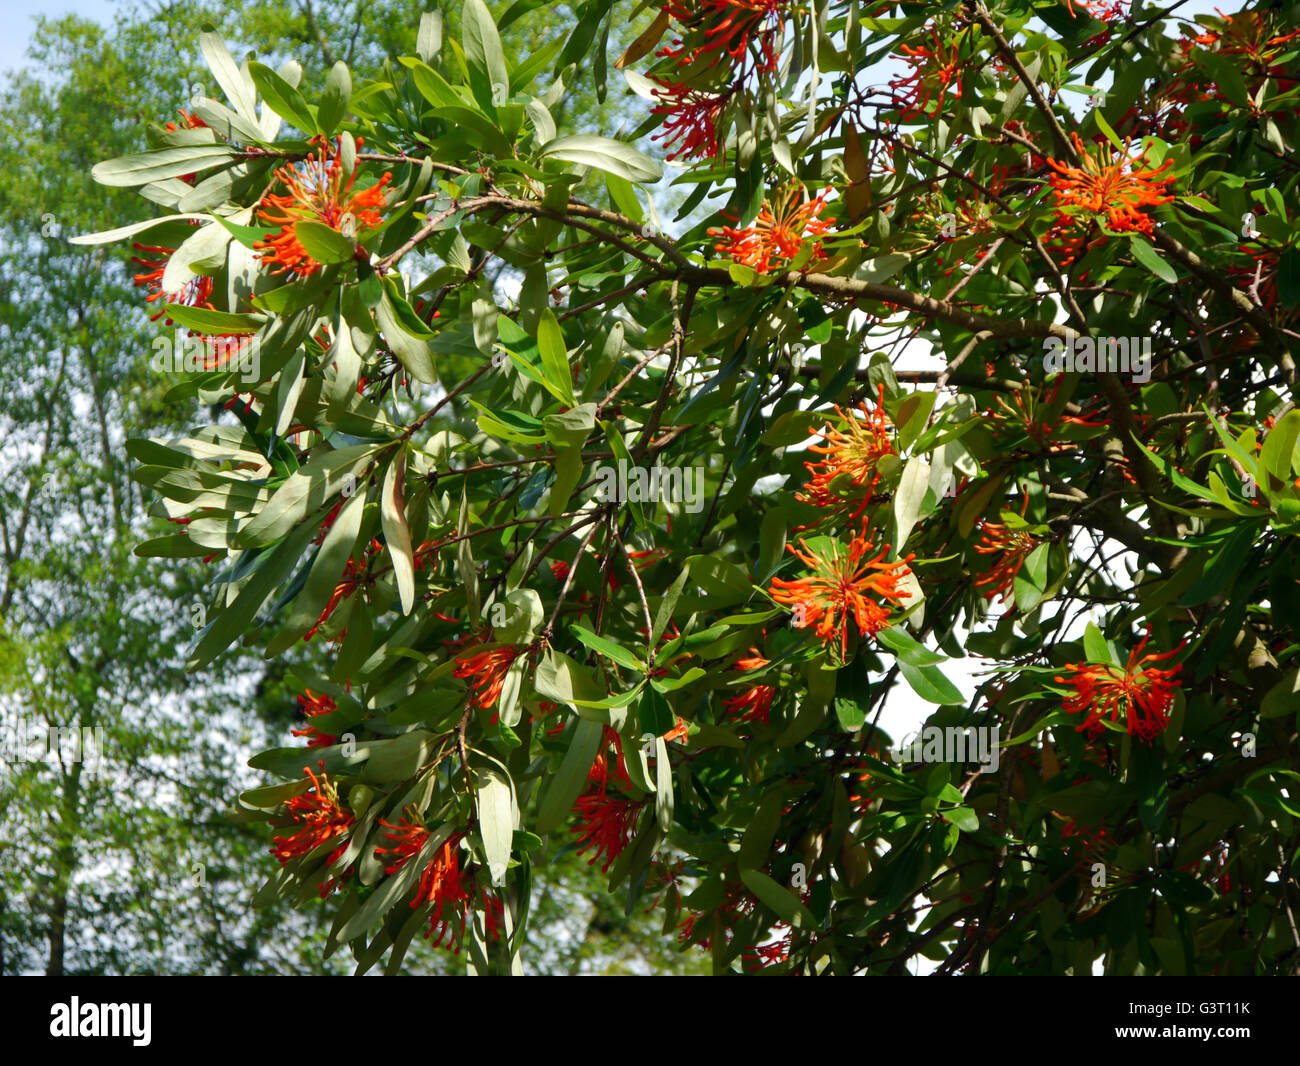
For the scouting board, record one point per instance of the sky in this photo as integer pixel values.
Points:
(19, 15)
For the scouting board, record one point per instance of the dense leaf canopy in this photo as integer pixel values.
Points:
(618, 530)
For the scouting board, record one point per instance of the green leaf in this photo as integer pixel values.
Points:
(304, 491)
(931, 684)
(963, 818)
(235, 83)
(1149, 258)
(555, 357)
(610, 650)
(488, 75)
(567, 783)
(324, 243)
(405, 334)
(334, 100)
(214, 323)
(614, 157)
(282, 98)
(108, 236)
(235, 620)
(907, 648)
(1095, 646)
(494, 800)
(397, 536)
(131, 170)
(785, 904)
(908, 498)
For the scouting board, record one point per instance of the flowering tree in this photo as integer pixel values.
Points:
(618, 535)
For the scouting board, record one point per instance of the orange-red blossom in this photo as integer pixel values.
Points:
(488, 670)
(1012, 547)
(1119, 187)
(778, 233)
(853, 451)
(1144, 694)
(844, 585)
(317, 193)
(319, 817)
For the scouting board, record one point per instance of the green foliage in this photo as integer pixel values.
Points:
(570, 449)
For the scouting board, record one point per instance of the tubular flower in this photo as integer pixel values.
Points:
(194, 293)
(843, 585)
(320, 818)
(853, 451)
(608, 822)
(1118, 187)
(313, 705)
(691, 127)
(317, 193)
(442, 882)
(755, 703)
(678, 732)
(1143, 693)
(488, 669)
(600, 767)
(1012, 546)
(727, 27)
(935, 69)
(779, 231)
(353, 576)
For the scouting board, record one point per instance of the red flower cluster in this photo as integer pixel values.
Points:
(194, 293)
(488, 670)
(317, 193)
(320, 818)
(936, 69)
(443, 883)
(313, 705)
(778, 233)
(844, 586)
(609, 820)
(853, 451)
(1119, 187)
(1143, 694)
(736, 36)
(754, 704)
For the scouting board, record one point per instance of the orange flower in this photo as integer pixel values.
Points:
(691, 126)
(755, 703)
(728, 26)
(1012, 547)
(320, 818)
(194, 293)
(353, 576)
(1119, 187)
(317, 193)
(1144, 693)
(779, 231)
(600, 767)
(678, 732)
(313, 706)
(608, 824)
(488, 669)
(843, 586)
(934, 69)
(853, 451)
(442, 882)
